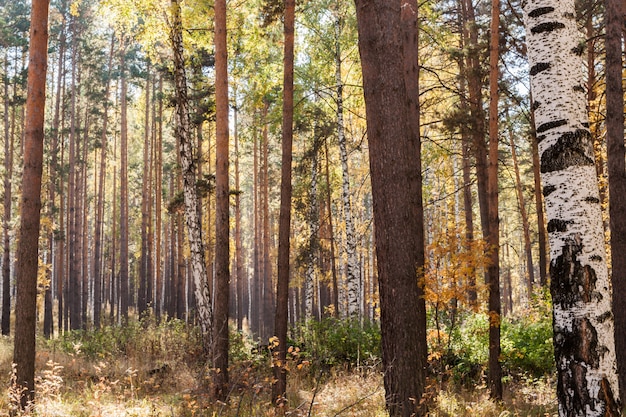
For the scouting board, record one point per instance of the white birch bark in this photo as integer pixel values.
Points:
(309, 283)
(192, 217)
(583, 322)
(352, 268)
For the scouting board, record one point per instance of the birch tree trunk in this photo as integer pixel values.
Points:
(583, 323)
(192, 218)
(352, 267)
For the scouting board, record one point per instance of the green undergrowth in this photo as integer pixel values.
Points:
(157, 369)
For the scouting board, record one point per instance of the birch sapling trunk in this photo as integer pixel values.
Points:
(185, 151)
(584, 344)
(353, 270)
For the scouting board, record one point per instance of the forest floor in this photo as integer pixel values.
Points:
(159, 375)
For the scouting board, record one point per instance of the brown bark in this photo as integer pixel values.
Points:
(466, 146)
(541, 223)
(222, 218)
(123, 288)
(493, 237)
(144, 266)
(239, 275)
(279, 387)
(158, 203)
(6, 228)
(388, 47)
(74, 293)
(617, 176)
(28, 246)
(525, 224)
(97, 270)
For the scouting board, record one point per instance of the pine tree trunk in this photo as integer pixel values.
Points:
(194, 230)
(74, 293)
(530, 281)
(158, 205)
(541, 224)
(466, 144)
(123, 288)
(28, 246)
(279, 387)
(97, 270)
(239, 266)
(222, 195)
(6, 227)
(584, 347)
(617, 175)
(388, 47)
(493, 238)
(144, 266)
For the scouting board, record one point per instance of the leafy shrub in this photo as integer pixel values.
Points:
(527, 346)
(145, 339)
(526, 341)
(331, 342)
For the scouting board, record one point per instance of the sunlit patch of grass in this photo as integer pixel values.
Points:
(526, 398)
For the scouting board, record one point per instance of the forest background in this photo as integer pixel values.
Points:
(114, 254)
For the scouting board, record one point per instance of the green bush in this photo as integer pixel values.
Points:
(526, 341)
(331, 342)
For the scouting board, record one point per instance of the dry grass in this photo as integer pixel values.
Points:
(73, 384)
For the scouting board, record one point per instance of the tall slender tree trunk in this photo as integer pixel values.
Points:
(530, 281)
(192, 218)
(28, 246)
(255, 311)
(388, 44)
(493, 237)
(268, 306)
(466, 146)
(239, 266)
(279, 387)
(97, 264)
(158, 204)
(6, 227)
(74, 293)
(587, 383)
(617, 175)
(333, 266)
(222, 195)
(310, 281)
(144, 266)
(541, 224)
(352, 266)
(123, 288)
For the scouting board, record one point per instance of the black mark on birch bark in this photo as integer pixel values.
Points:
(551, 125)
(540, 11)
(571, 149)
(547, 27)
(537, 68)
(572, 282)
(557, 225)
(548, 189)
(593, 200)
